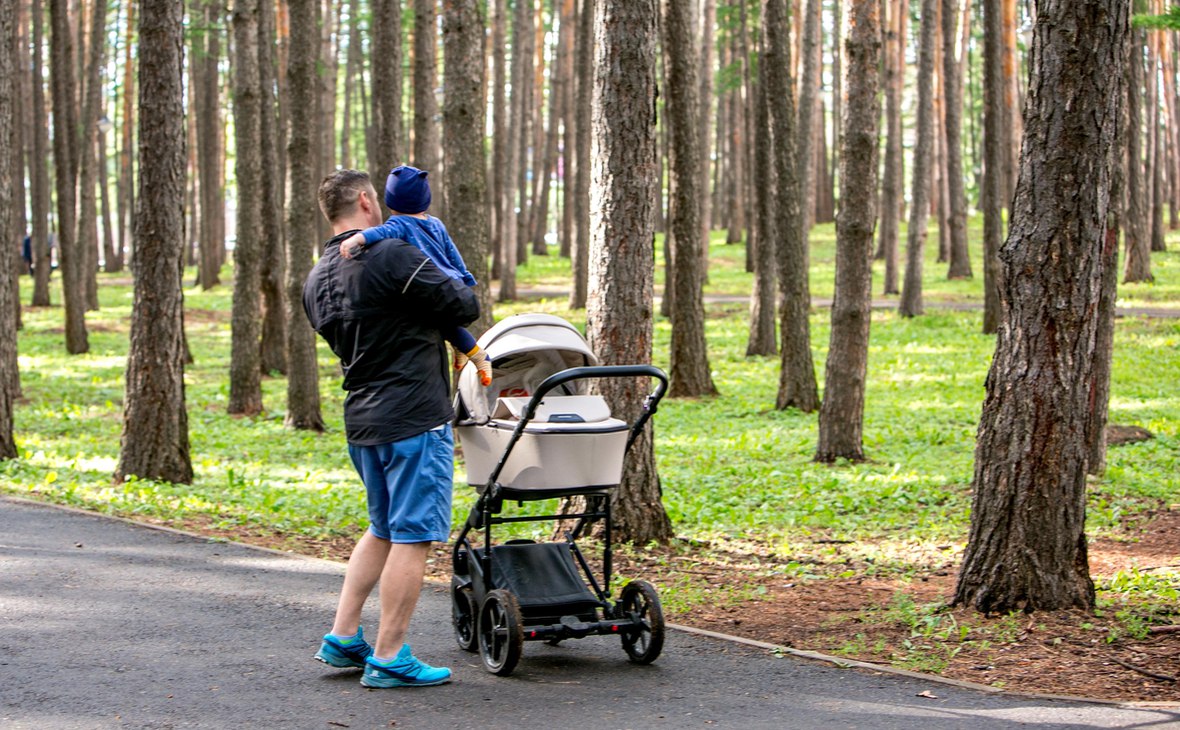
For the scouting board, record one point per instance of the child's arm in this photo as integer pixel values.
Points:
(456, 259)
(356, 243)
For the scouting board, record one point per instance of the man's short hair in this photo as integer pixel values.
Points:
(340, 190)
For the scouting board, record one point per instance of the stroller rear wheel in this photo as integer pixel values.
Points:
(463, 616)
(501, 632)
(640, 602)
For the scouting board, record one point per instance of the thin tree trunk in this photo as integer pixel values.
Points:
(273, 344)
(9, 199)
(155, 425)
(245, 387)
(838, 95)
(586, 53)
(126, 158)
(303, 393)
(39, 166)
(689, 357)
(623, 198)
(541, 205)
(763, 256)
(993, 166)
(960, 256)
(522, 115)
(426, 117)
(88, 149)
(808, 91)
(736, 181)
(891, 188)
(386, 79)
(911, 293)
(704, 127)
(1137, 235)
(539, 170)
(64, 157)
(207, 102)
(463, 136)
(1027, 546)
(1012, 123)
(1156, 160)
(566, 79)
(500, 113)
(749, 102)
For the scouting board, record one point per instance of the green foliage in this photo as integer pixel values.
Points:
(1167, 21)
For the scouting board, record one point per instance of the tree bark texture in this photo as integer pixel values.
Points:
(303, 392)
(568, 92)
(500, 135)
(1137, 236)
(1159, 141)
(952, 65)
(841, 416)
(126, 154)
(623, 197)
(385, 75)
(273, 274)
(797, 387)
(809, 88)
(9, 199)
(1027, 548)
(39, 166)
(586, 54)
(763, 340)
(689, 357)
(891, 187)
(523, 41)
(155, 425)
(463, 136)
(245, 380)
(207, 102)
(704, 124)
(911, 292)
(87, 235)
(64, 157)
(426, 118)
(993, 167)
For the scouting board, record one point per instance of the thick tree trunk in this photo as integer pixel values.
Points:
(463, 136)
(273, 345)
(764, 257)
(892, 184)
(245, 386)
(993, 167)
(155, 425)
(960, 256)
(303, 392)
(796, 387)
(1027, 546)
(39, 167)
(385, 75)
(689, 357)
(426, 119)
(586, 54)
(911, 293)
(1137, 236)
(9, 199)
(841, 416)
(623, 199)
(65, 154)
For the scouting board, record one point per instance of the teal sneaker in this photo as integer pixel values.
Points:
(345, 653)
(405, 670)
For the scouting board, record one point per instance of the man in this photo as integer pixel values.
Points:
(381, 313)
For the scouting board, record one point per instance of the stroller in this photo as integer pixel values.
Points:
(535, 434)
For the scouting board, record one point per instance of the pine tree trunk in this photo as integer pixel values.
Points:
(245, 387)
(623, 197)
(207, 102)
(541, 203)
(9, 199)
(1012, 122)
(39, 166)
(752, 189)
(1157, 147)
(735, 182)
(960, 256)
(911, 293)
(104, 189)
(841, 415)
(539, 168)
(690, 373)
(426, 118)
(892, 185)
(586, 53)
(993, 166)
(500, 135)
(385, 75)
(303, 392)
(809, 85)
(763, 256)
(522, 115)
(126, 157)
(1027, 547)
(704, 126)
(273, 345)
(88, 149)
(463, 137)
(797, 387)
(1137, 235)
(938, 183)
(569, 13)
(155, 441)
(65, 142)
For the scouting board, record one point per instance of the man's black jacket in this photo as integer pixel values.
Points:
(381, 313)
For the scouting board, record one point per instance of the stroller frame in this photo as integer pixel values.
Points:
(488, 614)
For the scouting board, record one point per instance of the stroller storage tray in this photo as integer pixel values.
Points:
(543, 578)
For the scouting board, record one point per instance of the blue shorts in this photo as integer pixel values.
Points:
(409, 484)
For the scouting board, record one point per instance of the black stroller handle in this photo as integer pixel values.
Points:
(650, 403)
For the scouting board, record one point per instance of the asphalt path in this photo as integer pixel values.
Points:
(107, 624)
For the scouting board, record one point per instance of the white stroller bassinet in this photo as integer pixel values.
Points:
(571, 441)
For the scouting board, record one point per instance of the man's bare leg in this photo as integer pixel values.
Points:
(365, 566)
(401, 582)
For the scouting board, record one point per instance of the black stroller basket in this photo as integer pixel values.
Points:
(521, 590)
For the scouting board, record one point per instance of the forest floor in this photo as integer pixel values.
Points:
(844, 606)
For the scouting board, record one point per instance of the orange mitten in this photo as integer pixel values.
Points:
(482, 363)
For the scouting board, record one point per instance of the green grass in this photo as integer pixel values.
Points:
(732, 466)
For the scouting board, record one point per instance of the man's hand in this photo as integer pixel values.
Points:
(481, 361)
(352, 245)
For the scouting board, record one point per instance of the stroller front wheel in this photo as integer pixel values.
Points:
(501, 632)
(640, 603)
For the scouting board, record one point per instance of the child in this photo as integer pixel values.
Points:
(407, 195)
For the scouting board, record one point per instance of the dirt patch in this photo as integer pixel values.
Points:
(842, 607)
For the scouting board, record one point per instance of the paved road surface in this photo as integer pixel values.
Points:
(104, 624)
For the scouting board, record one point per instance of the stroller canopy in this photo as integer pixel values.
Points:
(524, 350)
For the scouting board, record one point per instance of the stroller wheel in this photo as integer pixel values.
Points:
(501, 632)
(640, 603)
(463, 616)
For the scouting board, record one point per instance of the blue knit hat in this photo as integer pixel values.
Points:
(407, 190)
